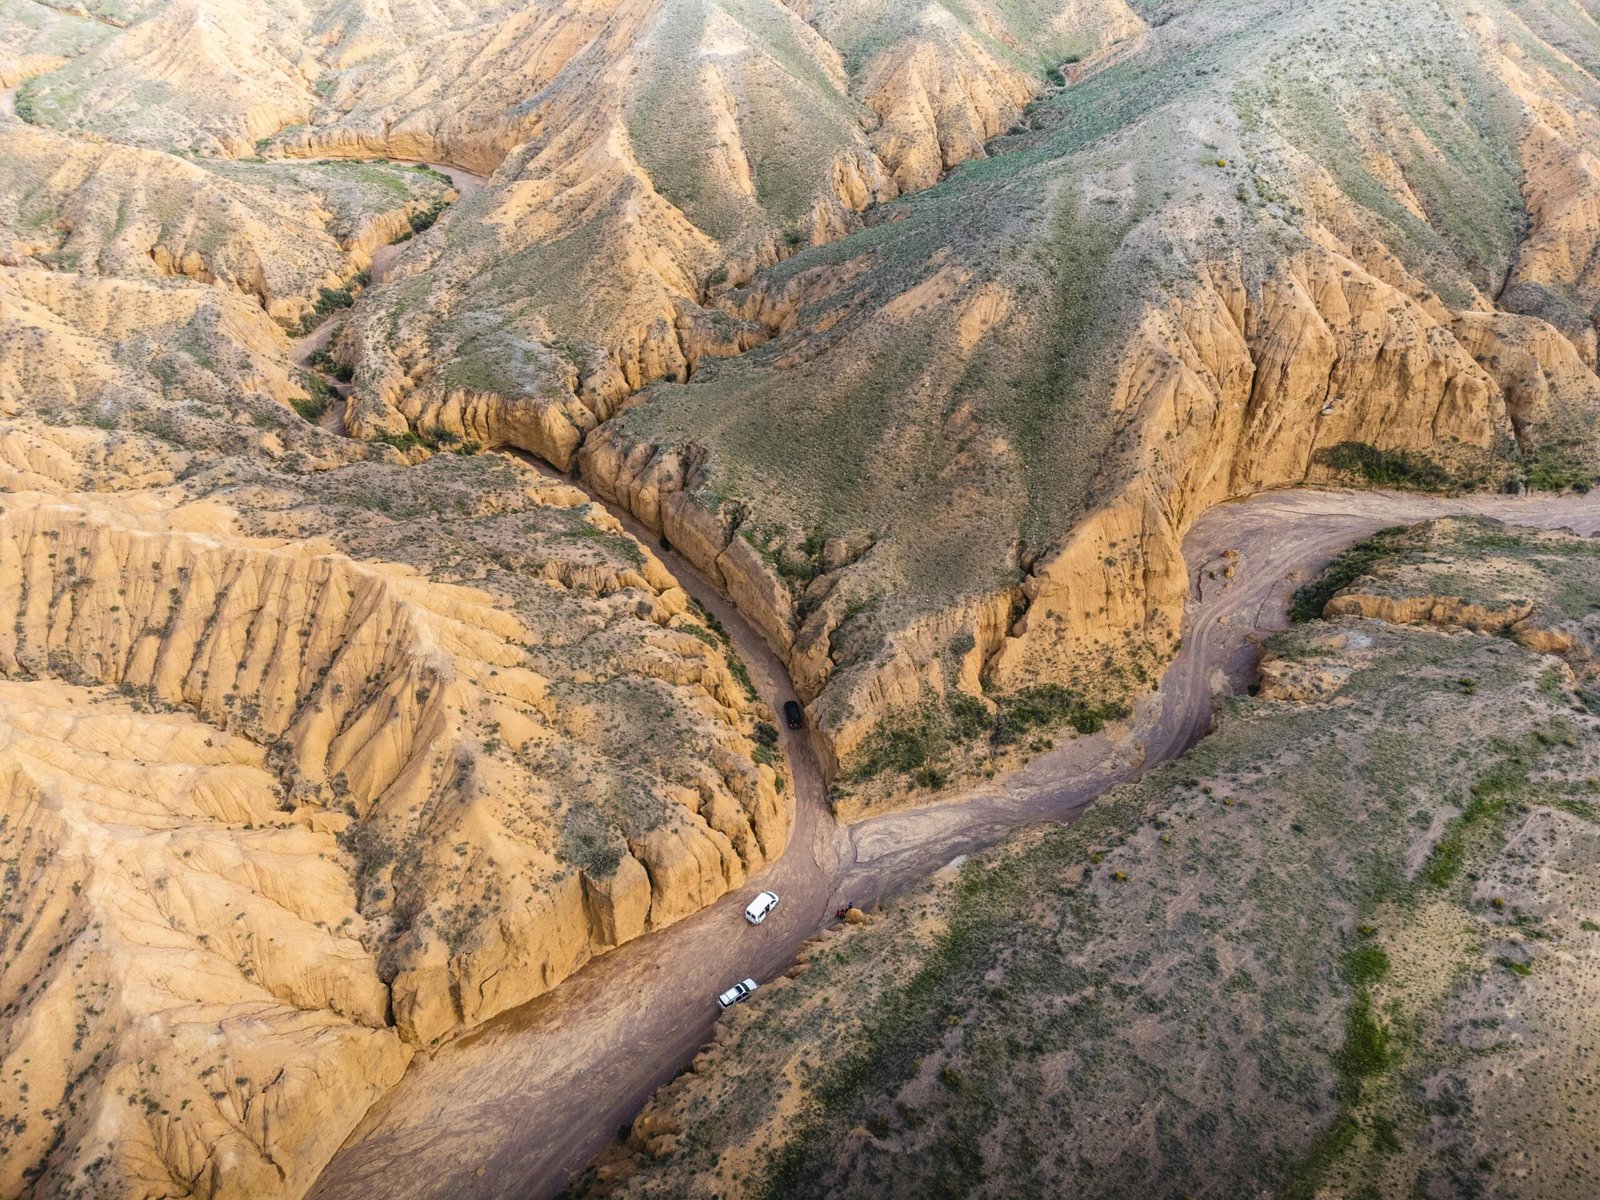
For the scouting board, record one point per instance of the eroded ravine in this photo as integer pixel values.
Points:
(519, 1106)
(573, 1065)
(522, 1104)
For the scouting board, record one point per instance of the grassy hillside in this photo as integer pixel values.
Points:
(963, 381)
(1339, 948)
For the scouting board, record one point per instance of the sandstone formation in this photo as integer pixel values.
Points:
(363, 778)
(924, 332)
(484, 803)
(187, 1000)
(1228, 308)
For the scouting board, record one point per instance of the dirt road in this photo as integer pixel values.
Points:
(519, 1106)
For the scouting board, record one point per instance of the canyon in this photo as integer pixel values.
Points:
(434, 442)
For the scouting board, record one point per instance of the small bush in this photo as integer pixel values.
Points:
(1050, 706)
(1313, 597)
(1560, 468)
(968, 717)
(400, 441)
(589, 843)
(322, 361)
(311, 408)
(1366, 1046)
(330, 300)
(766, 739)
(1365, 965)
(423, 220)
(1389, 468)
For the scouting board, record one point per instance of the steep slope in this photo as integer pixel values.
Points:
(411, 707)
(370, 751)
(187, 1000)
(1240, 252)
(502, 782)
(585, 273)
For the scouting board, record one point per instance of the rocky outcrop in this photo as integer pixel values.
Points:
(1479, 576)
(1546, 385)
(1328, 354)
(1554, 275)
(1447, 611)
(659, 489)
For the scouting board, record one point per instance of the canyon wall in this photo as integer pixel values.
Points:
(377, 695)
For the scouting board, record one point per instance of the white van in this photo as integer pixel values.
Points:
(760, 907)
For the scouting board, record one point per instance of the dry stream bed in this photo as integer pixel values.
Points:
(520, 1106)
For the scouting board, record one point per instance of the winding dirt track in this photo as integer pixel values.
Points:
(516, 1108)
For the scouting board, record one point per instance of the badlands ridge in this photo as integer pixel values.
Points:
(924, 332)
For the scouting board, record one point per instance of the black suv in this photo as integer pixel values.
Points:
(793, 715)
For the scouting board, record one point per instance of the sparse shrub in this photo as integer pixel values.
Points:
(312, 407)
(1389, 468)
(1366, 1047)
(589, 844)
(1365, 965)
(968, 717)
(766, 739)
(1560, 468)
(1049, 706)
(331, 300)
(423, 220)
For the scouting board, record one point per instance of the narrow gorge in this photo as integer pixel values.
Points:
(436, 444)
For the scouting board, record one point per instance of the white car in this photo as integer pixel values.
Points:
(736, 993)
(760, 907)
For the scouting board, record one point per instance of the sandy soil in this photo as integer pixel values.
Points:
(518, 1107)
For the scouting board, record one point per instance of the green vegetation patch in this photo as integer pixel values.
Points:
(313, 406)
(922, 742)
(1389, 468)
(1311, 598)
